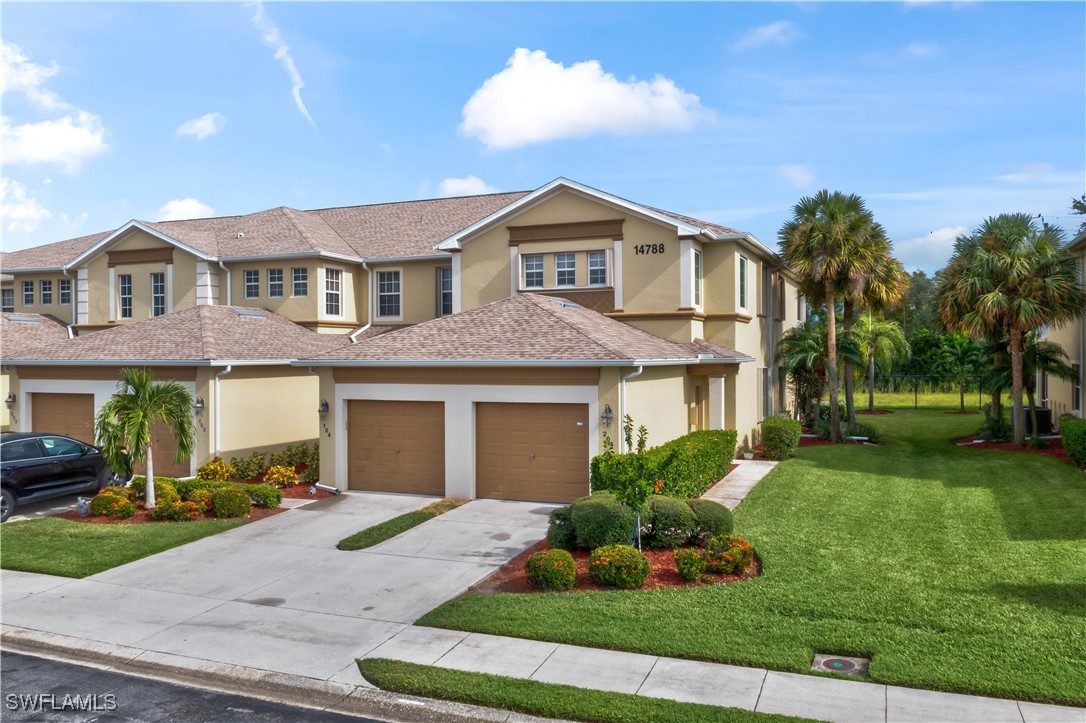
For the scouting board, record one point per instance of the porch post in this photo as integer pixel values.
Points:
(716, 402)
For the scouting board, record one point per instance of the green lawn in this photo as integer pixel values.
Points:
(953, 568)
(56, 546)
(562, 702)
(397, 525)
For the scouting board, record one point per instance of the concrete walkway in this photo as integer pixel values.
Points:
(735, 485)
(808, 696)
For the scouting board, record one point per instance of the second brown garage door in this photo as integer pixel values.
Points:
(536, 452)
(70, 415)
(396, 446)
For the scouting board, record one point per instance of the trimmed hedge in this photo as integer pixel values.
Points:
(673, 522)
(1073, 434)
(686, 466)
(600, 520)
(263, 495)
(712, 518)
(560, 532)
(552, 569)
(230, 502)
(780, 436)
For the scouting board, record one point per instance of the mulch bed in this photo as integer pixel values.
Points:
(301, 492)
(142, 516)
(873, 411)
(511, 577)
(1054, 447)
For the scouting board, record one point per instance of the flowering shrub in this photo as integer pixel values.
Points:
(729, 554)
(280, 476)
(252, 466)
(618, 566)
(165, 493)
(139, 484)
(108, 503)
(690, 563)
(215, 469)
(263, 495)
(202, 498)
(552, 569)
(230, 502)
(177, 511)
(126, 492)
(712, 518)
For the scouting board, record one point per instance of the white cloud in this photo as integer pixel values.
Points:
(920, 50)
(18, 73)
(535, 99)
(930, 250)
(20, 213)
(180, 209)
(782, 32)
(798, 175)
(206, 125)
(66, 141)
(468, 186)
(273, 38)
(1040, 172)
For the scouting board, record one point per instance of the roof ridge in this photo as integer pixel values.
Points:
(541, 304)
(414, 200)
(207, 331)
(289, 213)
(310, 216)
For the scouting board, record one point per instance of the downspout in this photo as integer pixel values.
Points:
(229, 291)
(622, 405)
(369, 307)
(218, 407)
(74, 292)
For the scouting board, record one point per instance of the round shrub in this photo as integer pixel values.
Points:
(109, 504)
(177, 511)
(560, 533)
(165, 493)
(690, 563)
(780, 437)
(712, 519)
(618, 566)
(230, 502)
(552, 569)
(280, 476)
(728, 554)
(215, 469)
(263, 495)
(202, 498)
(124, 492)
(599, 520)
(672, 522)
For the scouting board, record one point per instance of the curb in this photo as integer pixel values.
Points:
(282, 688)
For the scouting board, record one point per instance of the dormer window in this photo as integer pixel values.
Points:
(565, 268)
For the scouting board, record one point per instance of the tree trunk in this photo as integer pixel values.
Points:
(871, 381)
(831, 363)
(1031, 401)
(850, 400)
(1018, 416)
(961, 396)
(149, 493)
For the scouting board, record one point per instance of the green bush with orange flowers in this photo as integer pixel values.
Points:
(552, 569)
(177, 511)
(690, 563)
(728, 554)
(618, 566)
(112, 501)
(230, 502)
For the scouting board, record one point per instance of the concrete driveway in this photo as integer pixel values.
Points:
(276, 594)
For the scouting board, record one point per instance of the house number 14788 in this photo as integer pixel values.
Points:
(649, 249)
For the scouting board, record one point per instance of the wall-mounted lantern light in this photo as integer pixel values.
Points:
(608, 416)
(323, 410)
(198, 407)
(10, 400)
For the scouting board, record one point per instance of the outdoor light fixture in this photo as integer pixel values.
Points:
(198, 407)
(323, 410)
(607, 415)
(10, 400)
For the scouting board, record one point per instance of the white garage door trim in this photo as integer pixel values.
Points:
(460, 402)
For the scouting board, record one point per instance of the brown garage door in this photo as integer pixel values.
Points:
(535, 452)
(164, 446)
(396, 446)
(71, 415)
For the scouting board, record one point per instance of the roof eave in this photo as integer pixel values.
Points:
(144, 362)
(511, 362)
(134, 224)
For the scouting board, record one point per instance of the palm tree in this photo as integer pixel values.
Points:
(828, 235)
(960, 356)
(1007, 278)
(1040, 357)
(880, 341)
(802, 353)
(128, 418)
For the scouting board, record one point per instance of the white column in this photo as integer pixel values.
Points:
(82, 297)
(514, 270)
(686, 273)
(112, 293)
(169, 288)
(716, 403)
(456, 268)
(616, 258)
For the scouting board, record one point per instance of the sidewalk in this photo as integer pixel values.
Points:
(735, 485)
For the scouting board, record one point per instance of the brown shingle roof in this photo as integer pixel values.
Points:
(201, 333)
(49, 256)
(716, 228)
(526, 328)
(21, 333)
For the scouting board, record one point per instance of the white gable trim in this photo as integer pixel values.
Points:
(123, 231)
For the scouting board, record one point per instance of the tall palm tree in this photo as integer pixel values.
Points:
(960, 356)
(802, 353)
(1007, 278)
(880, 341)
(128, 418)
(827, 235)
(1040, 357)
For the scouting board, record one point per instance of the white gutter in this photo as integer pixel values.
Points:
(218, 409)
(369, 306)
(298, 255)
(515, 362)
(622, 404)
(146, 362)
(229, 291)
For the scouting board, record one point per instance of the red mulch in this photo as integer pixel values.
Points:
(956, 411)
(1054, 448)
(873, 411)
(301, 492)
(730, 469)
(142, 515)
(813, 442)
(511, 578)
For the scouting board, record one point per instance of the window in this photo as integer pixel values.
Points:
(65, 291)
(22, 449)
(61, 446)
(597, 268)
(388, 293)
(533, 272)
(742, 282)
(7, 299)
(1076, 388)
(565, 266)
(46, 293)
(301, 282)
(275, 283)
(252, 284)
(158, 294)
(444, 292)
(697, 277)
(124, 282)
(28, 293)
(333, 279)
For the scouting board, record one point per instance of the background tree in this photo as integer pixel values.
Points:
(1009, 277)
(960, 357)
(802, 353)
(1040, 357)
(128, 420)
(881, 342)
(1078, 208)
(917, 310)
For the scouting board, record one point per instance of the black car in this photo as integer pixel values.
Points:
(35, 466)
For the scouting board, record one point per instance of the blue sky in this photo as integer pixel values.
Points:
(938, 114)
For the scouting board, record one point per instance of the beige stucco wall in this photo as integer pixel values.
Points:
(5, 413)
(264, 408)
(660, 399)
(61, 311)
(296, 308)
(418, 284)
(1070, 337)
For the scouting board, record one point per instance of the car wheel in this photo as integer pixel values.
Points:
(7, 505)
(113, 479)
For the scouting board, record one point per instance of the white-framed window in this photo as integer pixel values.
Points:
(7, 299)
(65, 289)
(252, 284)
(388, 294)
(742, 282)
(28, 293)
(275, 283)
(697, 277)
(565, 269)
(444, 291)
(333, 289)
(597, 268)
(46, 292)
(533, 272)
(124, 288)
(300, 282)
(158, 294)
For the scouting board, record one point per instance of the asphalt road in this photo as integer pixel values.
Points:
(26, 684)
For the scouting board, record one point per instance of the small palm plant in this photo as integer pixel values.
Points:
(960, 357)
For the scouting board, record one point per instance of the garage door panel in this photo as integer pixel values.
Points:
(70, 415)
(396, 446)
